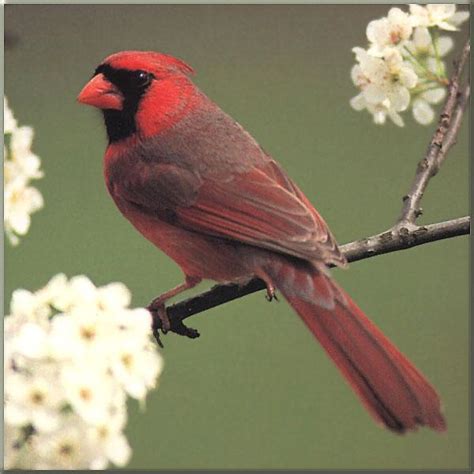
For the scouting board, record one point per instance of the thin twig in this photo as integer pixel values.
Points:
(451, 135)
(399, 238)
(448, 127)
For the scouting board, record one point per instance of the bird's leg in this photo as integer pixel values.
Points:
(271, 293)
(160, 317)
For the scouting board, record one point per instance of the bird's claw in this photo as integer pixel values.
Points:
(158, 311)
(161, 321)
(156, 335)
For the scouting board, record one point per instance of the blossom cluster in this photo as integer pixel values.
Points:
(21, 166)
(73, 353)
(403, 64)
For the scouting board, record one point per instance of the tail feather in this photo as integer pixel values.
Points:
(393, 390)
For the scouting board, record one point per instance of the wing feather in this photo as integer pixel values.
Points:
(260, 206)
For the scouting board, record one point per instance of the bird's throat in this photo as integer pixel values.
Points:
(119, 124)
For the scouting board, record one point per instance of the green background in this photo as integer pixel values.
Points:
(255, 390)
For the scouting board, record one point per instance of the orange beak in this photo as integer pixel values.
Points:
(101, 93)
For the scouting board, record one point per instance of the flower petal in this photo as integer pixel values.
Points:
(434, 96)
(459, 17)
(373, 94)
(396, 118)
(399, 98)
(422, 39)
(358, 102)
(445, 45)
(408, 77)
(422, 112)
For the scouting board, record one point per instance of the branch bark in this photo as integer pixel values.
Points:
(400, 238)
(403, 235)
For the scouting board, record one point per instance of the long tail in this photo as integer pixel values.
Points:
(393, 390)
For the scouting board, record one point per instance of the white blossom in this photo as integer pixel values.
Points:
(21, 166)
(403, 66)
(385, 82)
(135, 368)
(442, 15)
(428, 52)
(110, 442)
(113, 296)
(33, 399)
(31, 341)
(422, 45)
(89, 392)
(392, 78)
(65, 448)
(81, 334)
(73, 352)
(379, 111)
(28, 306)
(20, 202)
(81, 290)
(389, 31)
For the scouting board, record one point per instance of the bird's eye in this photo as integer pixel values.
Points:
(143, 78)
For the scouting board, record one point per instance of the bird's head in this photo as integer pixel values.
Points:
(139, 92)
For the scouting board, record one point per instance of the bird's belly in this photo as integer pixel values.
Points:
(198, 255)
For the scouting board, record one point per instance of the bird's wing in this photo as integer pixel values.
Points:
(260, 206)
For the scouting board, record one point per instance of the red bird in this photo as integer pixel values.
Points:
(201, 189)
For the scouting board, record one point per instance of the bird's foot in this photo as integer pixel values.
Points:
(156, 330)
(161, 321)
(158, 310)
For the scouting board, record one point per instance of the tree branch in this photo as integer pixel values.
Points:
(400, 238)
(392, 240)
(442, 140)
(451, 135)
(403, 235)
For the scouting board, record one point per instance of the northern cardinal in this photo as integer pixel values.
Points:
(201, 189)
